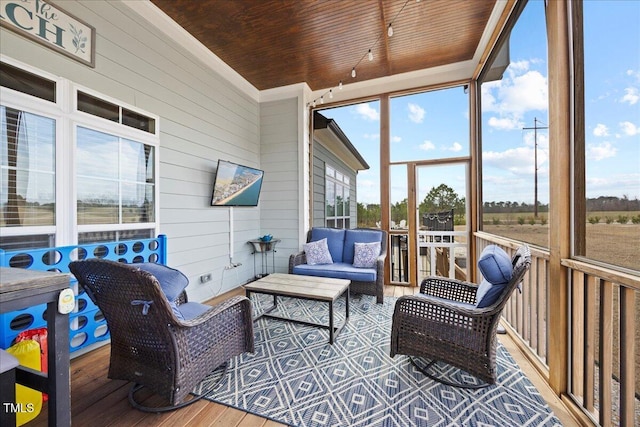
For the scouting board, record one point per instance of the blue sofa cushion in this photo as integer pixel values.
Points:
(171, 281)
(337, 270)
(318, 252)
(335, 240)
(360, 236)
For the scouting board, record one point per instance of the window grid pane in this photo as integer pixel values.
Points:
(107, 110)
(27, 158)
(336, 199)
(117, 177)
(29, 83)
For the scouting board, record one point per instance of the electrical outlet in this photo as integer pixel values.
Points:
(205, 278)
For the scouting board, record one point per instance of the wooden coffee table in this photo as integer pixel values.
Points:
(303, 287)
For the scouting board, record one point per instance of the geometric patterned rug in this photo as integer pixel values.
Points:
(296, 377)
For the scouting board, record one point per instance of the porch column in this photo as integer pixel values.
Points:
(385, 192)
(560, 178)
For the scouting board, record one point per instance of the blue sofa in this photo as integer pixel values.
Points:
(341, 245)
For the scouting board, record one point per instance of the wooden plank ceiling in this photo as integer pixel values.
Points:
(274, 43)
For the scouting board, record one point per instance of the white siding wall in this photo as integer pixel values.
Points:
(280, 201)
(202, 118)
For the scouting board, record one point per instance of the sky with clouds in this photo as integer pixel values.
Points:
(434, 125)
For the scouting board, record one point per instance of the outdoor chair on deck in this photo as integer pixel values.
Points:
(455, 322)
(158, 339)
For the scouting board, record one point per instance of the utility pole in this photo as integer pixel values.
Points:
(535, 162)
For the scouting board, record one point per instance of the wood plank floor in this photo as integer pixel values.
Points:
(97, 401)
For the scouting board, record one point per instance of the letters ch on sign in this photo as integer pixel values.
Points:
(46, 23)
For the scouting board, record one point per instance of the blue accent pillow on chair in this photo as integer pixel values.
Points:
(495, 265)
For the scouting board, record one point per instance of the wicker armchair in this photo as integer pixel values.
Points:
(441, 323)
(150, 345)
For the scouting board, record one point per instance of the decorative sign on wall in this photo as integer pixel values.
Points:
(46, 23)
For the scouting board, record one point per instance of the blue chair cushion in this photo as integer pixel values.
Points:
(335, 240)
(487, 294)
(495, 265)
(453, 303)
(171, 280)
(176, 310)
(360, 236)
(191, 310)
(337, 270)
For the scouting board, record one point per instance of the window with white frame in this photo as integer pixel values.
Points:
(50, 144)
(337, 198)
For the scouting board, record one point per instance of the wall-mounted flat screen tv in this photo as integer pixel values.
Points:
(236, 185)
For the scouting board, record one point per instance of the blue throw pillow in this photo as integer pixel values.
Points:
(317, 252)
(359, 236)
(171, 281)
(366, 254)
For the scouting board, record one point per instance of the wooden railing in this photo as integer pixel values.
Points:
(604, 334)
(527, 311)
(604, 331)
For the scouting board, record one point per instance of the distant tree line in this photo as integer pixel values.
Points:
(599, 204)
(443, 197)
(512, 207)
(439, 199)
(606, 203)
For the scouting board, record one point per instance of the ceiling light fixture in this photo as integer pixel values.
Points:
(369, 55)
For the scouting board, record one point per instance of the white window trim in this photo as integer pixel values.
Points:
(67, 119)
(139, 134)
